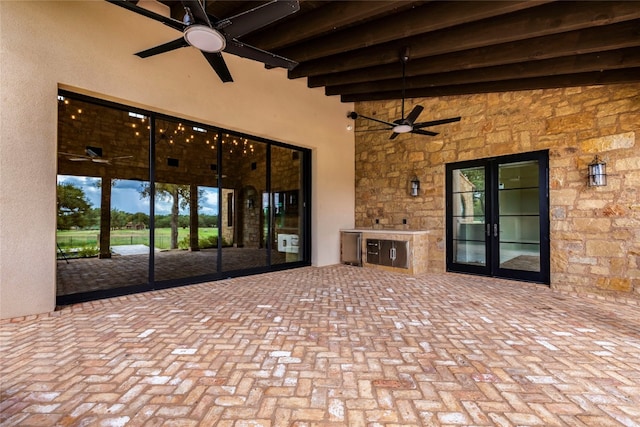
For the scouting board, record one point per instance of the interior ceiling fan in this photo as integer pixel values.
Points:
(93, 154)
(406, 124)
(212, 36)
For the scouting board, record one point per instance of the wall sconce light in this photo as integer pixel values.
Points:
(597, 173)
(250, 203)
(415, 186)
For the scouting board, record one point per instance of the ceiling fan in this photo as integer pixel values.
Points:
(94, 154)
(213, 36)
(406, 124)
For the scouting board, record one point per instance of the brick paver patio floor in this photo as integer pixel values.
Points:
(327, 346)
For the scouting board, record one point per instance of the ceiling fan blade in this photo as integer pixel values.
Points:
(166, 47)
(413, 115)
(198, 11)
(105, 161)
(394, 135)
(247, 51)
(436, 122)
(424, 132)
(219, 66)
(258, 17)
(376, 120)
(173, 23)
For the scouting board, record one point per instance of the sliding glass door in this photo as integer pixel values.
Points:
(148, 201)
(497, 217)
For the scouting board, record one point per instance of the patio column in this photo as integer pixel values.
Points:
(105, 217)
(194, 245)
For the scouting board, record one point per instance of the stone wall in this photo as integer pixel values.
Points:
(595, 231)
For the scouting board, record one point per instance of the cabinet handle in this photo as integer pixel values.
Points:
(393, 254)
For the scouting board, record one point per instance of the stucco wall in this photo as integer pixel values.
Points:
(88, 47)
(595, 232)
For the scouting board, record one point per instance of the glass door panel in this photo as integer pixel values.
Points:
(103, 237)
(519, 216)
(185, 201)
(468, 216)
(243, 180)
(286, 188)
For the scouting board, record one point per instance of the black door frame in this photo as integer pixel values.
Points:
(492, 262)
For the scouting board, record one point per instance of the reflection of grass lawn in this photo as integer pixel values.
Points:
(84, 238)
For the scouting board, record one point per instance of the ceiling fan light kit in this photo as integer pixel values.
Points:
(402, 128)
(205, 38)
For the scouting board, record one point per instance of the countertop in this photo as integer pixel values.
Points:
(384, 231)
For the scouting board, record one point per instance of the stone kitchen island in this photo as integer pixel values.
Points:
(403, 251)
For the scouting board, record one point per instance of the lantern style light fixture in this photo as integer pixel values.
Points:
(415, 186)
(597, 173)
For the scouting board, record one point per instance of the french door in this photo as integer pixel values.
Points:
(498, 217)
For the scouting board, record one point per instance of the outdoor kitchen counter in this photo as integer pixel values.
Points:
(418, 254)
(384, 231)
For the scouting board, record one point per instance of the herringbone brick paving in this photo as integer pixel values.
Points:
(329, 346)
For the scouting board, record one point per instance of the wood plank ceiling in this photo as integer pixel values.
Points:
(352, 48)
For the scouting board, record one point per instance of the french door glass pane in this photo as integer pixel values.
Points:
(469, 245)
(519, 217)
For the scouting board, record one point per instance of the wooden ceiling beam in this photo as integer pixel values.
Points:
(627, 75)
(177, 10)
(588, 40)
(323, 20)
(623, 58)
(226, 9)
(418, 20)
(543, 20)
